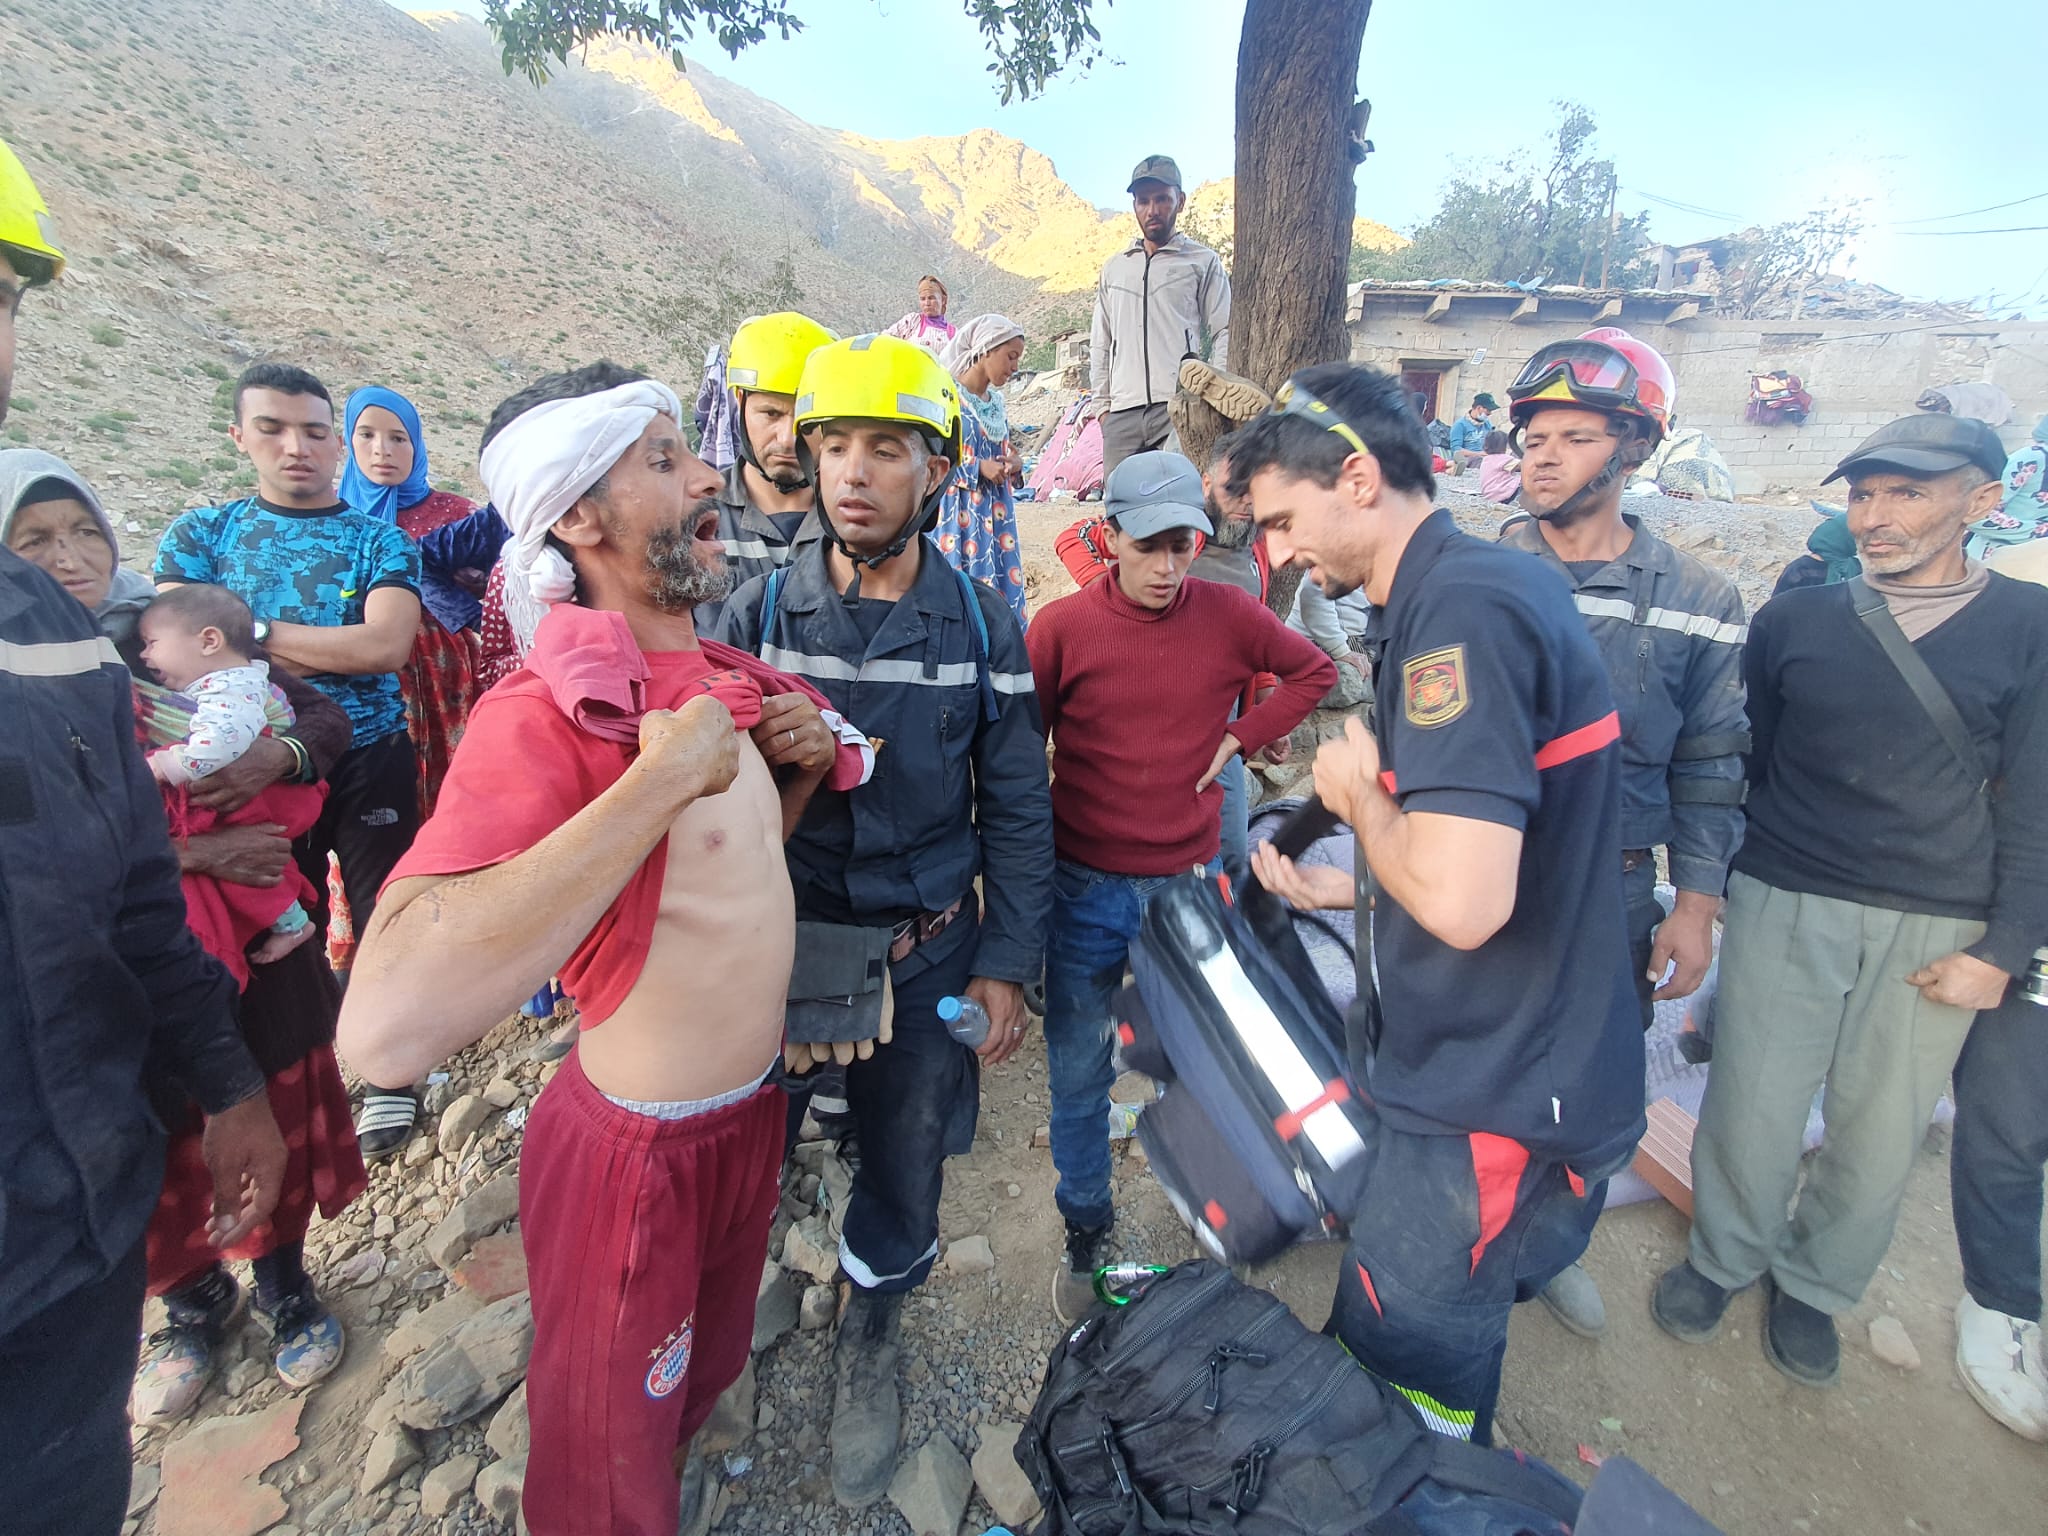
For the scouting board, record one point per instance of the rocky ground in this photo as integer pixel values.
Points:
(423, 1428)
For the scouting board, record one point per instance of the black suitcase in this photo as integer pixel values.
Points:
(1259, 1135)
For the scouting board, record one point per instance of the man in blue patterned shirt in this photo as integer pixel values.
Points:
(336, 598)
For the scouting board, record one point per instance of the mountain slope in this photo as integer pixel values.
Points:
(365, 192)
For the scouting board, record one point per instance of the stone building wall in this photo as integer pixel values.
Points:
(1860, 375)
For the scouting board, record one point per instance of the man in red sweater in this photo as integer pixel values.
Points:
(1136, 678)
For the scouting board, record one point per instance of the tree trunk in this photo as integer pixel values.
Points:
(1297, 75)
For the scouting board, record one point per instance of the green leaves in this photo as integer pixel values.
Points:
(1029, 41)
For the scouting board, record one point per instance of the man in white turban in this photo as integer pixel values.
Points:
(614, 815)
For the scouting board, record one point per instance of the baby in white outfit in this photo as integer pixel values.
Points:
(198, 640)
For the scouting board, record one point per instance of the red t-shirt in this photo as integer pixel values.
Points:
(554, 736)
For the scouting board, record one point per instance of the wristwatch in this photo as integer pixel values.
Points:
(261, 630)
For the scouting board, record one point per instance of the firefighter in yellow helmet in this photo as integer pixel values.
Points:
(932, 667)
(766, 500)
(28, 255)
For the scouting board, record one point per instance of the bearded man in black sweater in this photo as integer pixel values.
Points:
(1893, 882)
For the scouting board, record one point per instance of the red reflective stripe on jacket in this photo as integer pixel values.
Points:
(1497, 1164)
(1583, 742)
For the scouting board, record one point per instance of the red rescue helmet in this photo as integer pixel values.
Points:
(1604, 370)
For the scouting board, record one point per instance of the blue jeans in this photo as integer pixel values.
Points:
(1237, 812)
(1095, 915)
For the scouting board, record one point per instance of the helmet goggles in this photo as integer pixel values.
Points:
(1588, 373)
(1293, 400)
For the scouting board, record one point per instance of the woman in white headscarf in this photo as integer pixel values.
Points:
(978, 526)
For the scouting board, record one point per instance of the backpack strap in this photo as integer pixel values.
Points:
(990, 709)
(1934, 699)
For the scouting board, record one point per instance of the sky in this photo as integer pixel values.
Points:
(1747, 113)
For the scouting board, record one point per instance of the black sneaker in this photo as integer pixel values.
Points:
(1687, 1305)
(1800, 1340)
(1073, 1281)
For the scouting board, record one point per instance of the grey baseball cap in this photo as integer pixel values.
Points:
(1925, 443)
(1151, 492)
(1155, 168)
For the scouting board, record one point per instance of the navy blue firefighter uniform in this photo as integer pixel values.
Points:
(959, 792)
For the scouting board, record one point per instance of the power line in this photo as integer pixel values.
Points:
(2017, 229)
(1971, 213)
(1692, 208)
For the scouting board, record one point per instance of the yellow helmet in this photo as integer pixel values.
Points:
(768, 352)
(882, 378)
(25, 223)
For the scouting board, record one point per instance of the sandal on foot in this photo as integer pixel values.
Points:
(385, 1121)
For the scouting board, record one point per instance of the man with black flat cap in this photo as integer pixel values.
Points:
(1893, 881)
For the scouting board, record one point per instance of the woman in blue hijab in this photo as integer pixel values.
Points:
(386, 477)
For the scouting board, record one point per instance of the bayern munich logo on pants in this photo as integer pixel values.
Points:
(671, 1361)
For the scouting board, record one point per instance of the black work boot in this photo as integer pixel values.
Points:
(1073, 1281)
(1800, 1340)
(867, 1412)
(1687, 1305)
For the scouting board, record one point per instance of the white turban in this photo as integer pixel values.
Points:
(537, 468)
(977, 338)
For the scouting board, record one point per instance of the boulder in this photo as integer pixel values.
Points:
(211, 1474)
(467, 1369)
(482, 1210)
(1002, 1482)
(462, 1120)
(499, 1486)
(970, 1256)
(419, 1329)
(443, 1487)
(930, 1488)
(732, 1417)
(391, 1453)
(775, 1307)
(495, 1268)
(820, 1303)
(810, 1249)
(509, 1436)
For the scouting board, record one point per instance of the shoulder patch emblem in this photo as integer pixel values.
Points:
(1433, 687)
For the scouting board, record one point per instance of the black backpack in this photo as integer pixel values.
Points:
(1204, 1406)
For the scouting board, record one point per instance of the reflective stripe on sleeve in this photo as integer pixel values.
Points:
(1700, 624)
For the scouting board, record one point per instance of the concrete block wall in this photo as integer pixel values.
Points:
(1860, 376)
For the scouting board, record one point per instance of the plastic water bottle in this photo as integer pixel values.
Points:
(965, 1020)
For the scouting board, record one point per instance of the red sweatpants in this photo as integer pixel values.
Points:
(644, 1243)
